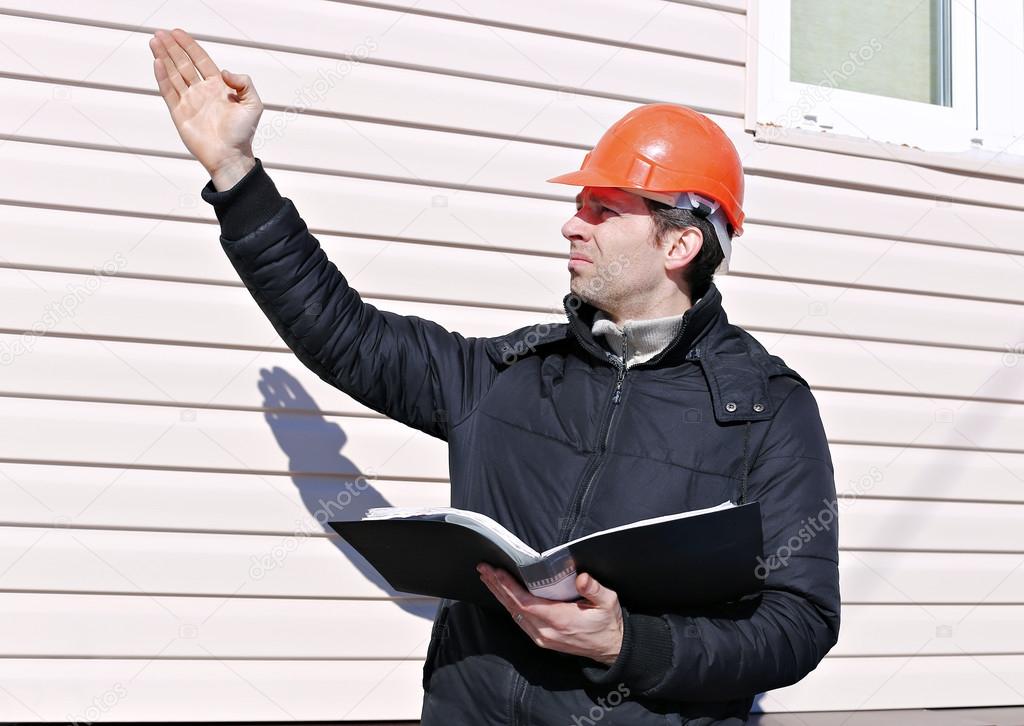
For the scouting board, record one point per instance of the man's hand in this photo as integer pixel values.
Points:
(214, 111)
(591, 627)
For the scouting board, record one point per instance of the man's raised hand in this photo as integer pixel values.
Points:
(215, 112)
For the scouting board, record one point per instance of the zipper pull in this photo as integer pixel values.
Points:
(622, 372)
(618, 384)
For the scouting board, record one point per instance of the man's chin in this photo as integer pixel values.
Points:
(578, 286)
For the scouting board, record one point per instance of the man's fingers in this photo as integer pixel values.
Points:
(170, 72)
(167, 90)
(196, 54)
(182, 63)
(498, 592)
(516, 594)
(594, 591)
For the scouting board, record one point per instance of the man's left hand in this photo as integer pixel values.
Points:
(591, 627)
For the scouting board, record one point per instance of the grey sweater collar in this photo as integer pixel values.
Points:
(641, 339)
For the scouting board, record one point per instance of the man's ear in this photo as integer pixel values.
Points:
(682, 245)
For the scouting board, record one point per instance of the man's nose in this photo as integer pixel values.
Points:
(575, 228)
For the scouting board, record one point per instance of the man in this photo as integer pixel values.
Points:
(646, 401)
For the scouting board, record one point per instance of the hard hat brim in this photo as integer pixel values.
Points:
(584, 178)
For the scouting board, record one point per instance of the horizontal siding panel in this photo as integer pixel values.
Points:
(108, 306)
(184, 250)
(891, 264)
(53, 366)
(200, 501)
(380, 36)
(122, 120)
(863, 684)
(246, 565)
(215, 566)
(654, 24)
(209, 690)
(159, 436)
(155, 626)
(922, 421)
(929, 630)
(924, 577)
(114, 434)
(519, 167)
(583, 123)
(417, 98)
(170, 188)
(106, 433)
(801, 307)
(191, 376)
(582, 127)
(45, 495)
(309, 690)
(924, 473)
(819, 206)
(111, 306)
(894, 367)
(849, 312)
(941, 526)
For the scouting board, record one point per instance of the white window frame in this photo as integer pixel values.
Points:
(987, 85)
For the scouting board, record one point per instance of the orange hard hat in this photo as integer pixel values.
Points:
(674, 154)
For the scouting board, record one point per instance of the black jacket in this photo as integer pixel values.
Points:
(548, 436)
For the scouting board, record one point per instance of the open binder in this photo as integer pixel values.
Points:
(700, 557)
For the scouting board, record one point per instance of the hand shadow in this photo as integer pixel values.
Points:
(330, 484)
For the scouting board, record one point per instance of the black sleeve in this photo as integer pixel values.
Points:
(410, 369)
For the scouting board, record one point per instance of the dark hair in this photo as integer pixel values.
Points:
(699, 273)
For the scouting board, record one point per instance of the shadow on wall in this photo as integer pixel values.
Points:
(337, 491)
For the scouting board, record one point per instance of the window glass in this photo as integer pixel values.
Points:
(895, 48)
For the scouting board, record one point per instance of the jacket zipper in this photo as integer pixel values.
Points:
(575, 508)
(580, 495)
(590, 474)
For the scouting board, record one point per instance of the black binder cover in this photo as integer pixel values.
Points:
(708, 559)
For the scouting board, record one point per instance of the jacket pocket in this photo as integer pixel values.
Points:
(438, 632)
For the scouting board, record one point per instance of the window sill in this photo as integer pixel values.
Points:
(976, 162)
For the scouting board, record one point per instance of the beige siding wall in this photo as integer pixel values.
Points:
(152, 487)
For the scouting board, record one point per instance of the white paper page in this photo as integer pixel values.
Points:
(727, 504)
(521, 552)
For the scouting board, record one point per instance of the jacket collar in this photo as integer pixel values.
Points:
(697, 320)
(735, 364)
(635, 340)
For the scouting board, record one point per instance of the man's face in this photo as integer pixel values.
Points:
(612, 255)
